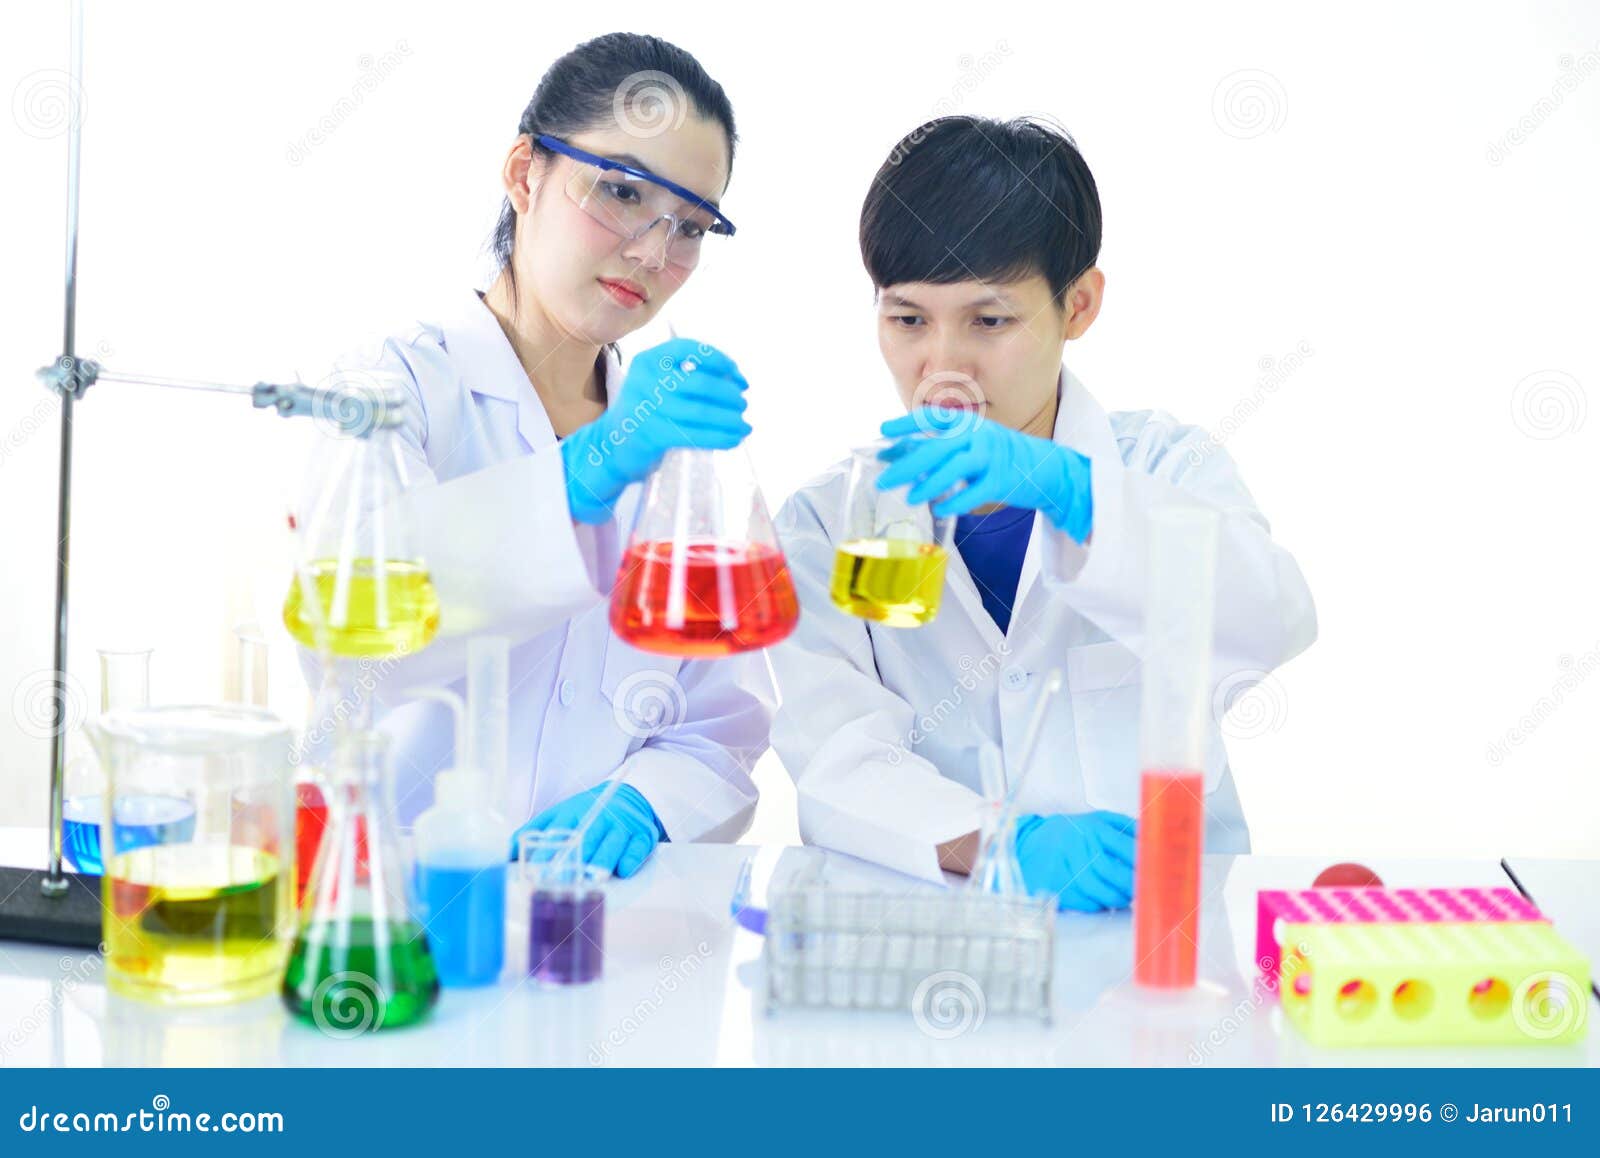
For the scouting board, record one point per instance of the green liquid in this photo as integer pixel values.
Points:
(352, 984)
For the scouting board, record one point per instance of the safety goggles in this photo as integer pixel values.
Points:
(630, 202)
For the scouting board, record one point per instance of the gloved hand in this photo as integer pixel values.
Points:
(661, 406)
(997, 464)
(1085, 859)
(621, 837)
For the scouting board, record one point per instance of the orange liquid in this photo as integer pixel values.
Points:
(712, 599)
(1166, 888)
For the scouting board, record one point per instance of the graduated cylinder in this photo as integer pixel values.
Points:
(1180, 600)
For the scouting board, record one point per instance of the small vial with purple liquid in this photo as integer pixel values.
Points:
(567, 911)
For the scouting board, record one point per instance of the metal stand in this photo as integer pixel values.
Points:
(49, 905)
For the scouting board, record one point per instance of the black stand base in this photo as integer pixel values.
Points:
(26, 914)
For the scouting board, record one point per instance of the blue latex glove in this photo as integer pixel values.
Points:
(621, 837)
(661, 407)
(938, 447)
(1085, 859)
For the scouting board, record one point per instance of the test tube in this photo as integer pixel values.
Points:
(1179, 610)
(251, 657)
(124, 678)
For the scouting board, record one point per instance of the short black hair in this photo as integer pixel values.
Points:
(581, 90)
(972, 198)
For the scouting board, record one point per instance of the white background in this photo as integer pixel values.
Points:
(1409, 194)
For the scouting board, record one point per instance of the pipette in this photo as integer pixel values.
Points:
(1030, 740)
(575, 841)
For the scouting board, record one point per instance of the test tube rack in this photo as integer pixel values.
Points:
(1377, 966)
(830, 949)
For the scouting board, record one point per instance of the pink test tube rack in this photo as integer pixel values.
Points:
(1333, 906)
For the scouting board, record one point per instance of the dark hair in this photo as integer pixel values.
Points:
(581, 90)
(974, 198)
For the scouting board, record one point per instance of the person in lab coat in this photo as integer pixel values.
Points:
(981, 239)
(523, 442)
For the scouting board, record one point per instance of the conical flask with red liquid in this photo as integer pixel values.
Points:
(703, 575)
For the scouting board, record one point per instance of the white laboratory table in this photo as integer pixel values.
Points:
(681, 988)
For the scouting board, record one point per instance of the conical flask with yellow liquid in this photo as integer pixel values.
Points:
(361, 589)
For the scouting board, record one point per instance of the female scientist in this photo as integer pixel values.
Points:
(522, 440)
(981, 238)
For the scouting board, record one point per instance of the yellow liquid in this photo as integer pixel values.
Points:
(894, 581)
(378, 611)
(195, 923)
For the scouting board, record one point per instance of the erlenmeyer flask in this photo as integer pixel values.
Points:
(360, 960)
(998, 870)
(361, 588)
(703, 574)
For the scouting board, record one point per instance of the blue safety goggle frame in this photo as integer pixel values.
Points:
(719, 224)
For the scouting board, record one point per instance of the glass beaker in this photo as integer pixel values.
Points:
(360, 960)
(142, 818)
(360, 589)
(703, 574)
(890, 562)
(201, 915)
(567, 911)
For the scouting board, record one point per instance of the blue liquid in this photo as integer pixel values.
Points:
(140, 821)
(465, 913)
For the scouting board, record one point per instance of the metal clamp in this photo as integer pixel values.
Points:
(68, 376)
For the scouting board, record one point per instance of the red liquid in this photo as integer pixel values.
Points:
(1166, 888)
(310, 822)
(310, 819)
(714, 599)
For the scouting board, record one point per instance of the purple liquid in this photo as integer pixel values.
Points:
(566, 936)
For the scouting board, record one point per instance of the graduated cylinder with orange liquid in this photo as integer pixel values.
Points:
(1173, 730)
(703, 575)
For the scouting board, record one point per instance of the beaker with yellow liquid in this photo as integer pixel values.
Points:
(203, 915)
(360, 589)
(890, 561)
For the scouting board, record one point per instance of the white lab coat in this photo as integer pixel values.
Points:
(487, 508)
(880, 726)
